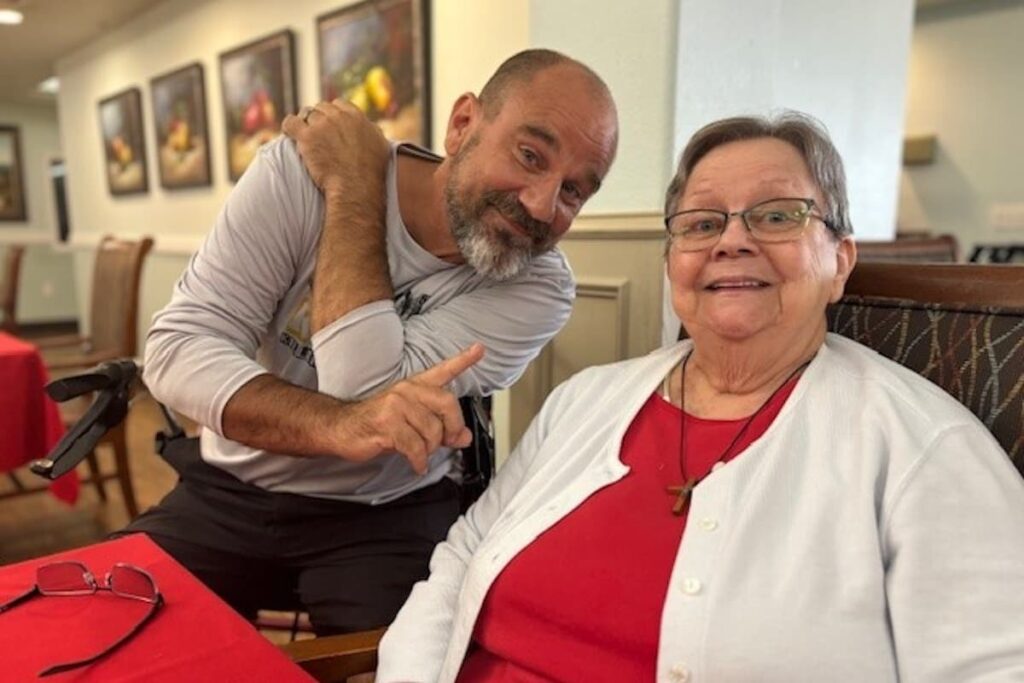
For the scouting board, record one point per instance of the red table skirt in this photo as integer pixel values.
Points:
(194, 636)
(30, 423)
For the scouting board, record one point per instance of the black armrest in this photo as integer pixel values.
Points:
(111, 382)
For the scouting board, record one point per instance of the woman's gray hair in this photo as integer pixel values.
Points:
(804, 132)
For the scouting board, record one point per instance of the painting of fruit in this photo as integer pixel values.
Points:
(124, 146)
(258, 87)
(179, 117)
(374, 54)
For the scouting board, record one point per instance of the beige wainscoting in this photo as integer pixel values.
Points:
(618, 263)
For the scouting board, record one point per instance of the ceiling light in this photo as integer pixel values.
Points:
(10, 16)
(50, 86)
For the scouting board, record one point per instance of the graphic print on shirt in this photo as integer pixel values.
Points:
(295, 335)
(407, 304)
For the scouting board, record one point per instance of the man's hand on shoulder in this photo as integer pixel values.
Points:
(339, 145)
(347, 157)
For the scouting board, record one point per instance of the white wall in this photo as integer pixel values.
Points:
(967, 88)
(845, 63)
(469, 40)
(46, 292)
(632, 46)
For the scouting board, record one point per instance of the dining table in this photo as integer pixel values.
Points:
(191, 636)
(30, 422)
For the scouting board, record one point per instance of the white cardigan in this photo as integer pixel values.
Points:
(874, 533)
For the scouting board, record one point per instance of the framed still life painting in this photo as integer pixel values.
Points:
(123, 142)
(258, 86)
(179, 116)
(12, 177)
(375, 54)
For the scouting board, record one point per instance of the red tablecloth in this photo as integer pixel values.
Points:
(194, 636)
(30, 422)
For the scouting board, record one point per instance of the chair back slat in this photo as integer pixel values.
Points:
(114, 312)
(940, 249)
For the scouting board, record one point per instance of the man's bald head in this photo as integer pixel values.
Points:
(521, 68)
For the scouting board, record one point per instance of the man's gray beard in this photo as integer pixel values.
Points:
(487, 253)
(491, 253)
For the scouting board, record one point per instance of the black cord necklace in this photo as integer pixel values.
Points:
(682, 493)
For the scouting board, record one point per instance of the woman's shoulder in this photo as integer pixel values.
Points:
(653, 364)
(622, 382)
(885, 384)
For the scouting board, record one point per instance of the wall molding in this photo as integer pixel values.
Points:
(27, 237)
(641, 225)
(178, 245)
(616, 289)
(529, 394)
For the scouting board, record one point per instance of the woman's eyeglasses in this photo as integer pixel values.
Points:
(775, 220)
(74, 578)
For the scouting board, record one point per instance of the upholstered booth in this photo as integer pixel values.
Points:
(960, 326)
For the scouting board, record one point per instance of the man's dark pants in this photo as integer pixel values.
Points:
(350, 565)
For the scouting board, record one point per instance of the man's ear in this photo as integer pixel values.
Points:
(846, 259)
(465, 113)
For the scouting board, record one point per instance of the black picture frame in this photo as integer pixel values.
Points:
(376, 54)
(258, 89)
(12, 175)
(178, 101)
(124, 142)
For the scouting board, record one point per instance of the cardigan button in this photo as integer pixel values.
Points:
(679, 673)
(692, 586)
(708, 524)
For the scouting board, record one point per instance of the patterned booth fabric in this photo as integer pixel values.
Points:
(975, 353)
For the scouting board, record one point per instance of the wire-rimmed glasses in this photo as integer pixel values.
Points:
(776, 220)
(72, 578)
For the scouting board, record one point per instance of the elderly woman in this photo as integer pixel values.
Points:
(766, 501)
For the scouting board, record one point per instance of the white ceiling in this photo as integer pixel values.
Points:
(51, 30)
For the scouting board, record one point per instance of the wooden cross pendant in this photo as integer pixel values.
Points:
(682, 494)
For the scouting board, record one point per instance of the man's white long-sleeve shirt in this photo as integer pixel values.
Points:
(241, 309)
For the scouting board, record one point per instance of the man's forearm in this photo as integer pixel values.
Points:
(413, 417)
(272, 415)
(352, 264)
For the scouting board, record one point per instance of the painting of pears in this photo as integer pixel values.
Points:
(373, 54)
(179, 113)
(123, 143)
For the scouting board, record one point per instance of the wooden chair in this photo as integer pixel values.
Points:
(9, 288)
(332, 659)
(959, 325)
(113, 317)
(940, 249)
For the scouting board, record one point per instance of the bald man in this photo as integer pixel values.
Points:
(309, 336)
